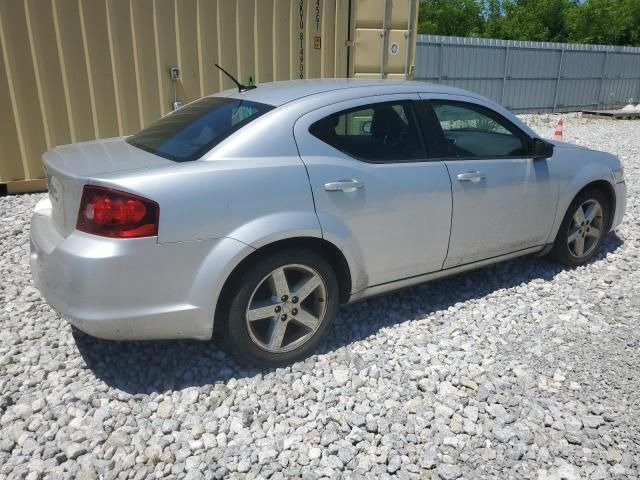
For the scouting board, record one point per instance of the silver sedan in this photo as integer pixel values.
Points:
(257, 212)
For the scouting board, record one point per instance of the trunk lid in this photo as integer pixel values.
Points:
(69, 168)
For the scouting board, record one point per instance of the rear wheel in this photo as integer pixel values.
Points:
(583, 229)
(281, 307)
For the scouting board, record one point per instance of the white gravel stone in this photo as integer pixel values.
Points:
(449, 472)
(471, 412)
(341, 375)
(189, 396)
(165, 409)
(520, 370)
(244, 465)
(394, 464)
(74, 450)
(444, 411)
(314, 453)
(592, 421)
(613, 456)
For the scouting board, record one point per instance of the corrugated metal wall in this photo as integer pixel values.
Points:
(532, 76)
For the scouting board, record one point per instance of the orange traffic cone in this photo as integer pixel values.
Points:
(557, 133)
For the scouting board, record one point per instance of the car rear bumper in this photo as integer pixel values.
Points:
(129, 289)
(621, 204)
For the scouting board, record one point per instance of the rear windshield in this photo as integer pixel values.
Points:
(193, 130)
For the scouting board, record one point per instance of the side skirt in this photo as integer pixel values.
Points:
(411, 281)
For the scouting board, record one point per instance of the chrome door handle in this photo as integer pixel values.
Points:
(474, 177)
(346, 186)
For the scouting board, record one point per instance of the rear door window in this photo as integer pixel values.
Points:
(472, 131)
(193, 130)
(377, 132)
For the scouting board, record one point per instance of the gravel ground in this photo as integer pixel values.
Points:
(521, 370)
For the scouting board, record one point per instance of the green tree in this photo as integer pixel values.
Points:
(451, 17)
(494, 18)
(541, 20)
(615, 22)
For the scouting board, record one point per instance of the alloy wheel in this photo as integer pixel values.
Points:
(586, 229)
(286, 308)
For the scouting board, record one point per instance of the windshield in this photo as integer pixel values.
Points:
(196, 128)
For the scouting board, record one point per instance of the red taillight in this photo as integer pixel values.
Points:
(115, 214)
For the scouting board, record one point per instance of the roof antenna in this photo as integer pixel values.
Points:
(241, 87)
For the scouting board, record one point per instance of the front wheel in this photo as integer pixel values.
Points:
(583, 229)
(281, 307)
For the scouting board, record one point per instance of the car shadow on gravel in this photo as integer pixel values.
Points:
(143, 367)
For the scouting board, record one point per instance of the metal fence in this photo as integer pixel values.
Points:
(532, 76)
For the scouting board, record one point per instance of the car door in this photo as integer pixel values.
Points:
(503, 199)
(375, 190)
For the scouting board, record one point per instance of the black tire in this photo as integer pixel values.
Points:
(562, 252)
(237, 334)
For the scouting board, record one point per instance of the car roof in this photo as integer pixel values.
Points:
(285, 92)
(279, 93)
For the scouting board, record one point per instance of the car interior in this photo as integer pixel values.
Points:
(377, 133)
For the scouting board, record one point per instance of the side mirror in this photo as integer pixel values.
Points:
(541, 149)
(366, 127)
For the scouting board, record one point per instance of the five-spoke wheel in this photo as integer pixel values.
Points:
(583, 228)
(286, 308)
(281, 306)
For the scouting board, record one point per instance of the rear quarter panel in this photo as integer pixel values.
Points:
(252, 201)
(246, 199)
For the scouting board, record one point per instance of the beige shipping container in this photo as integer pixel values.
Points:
(76, 70)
